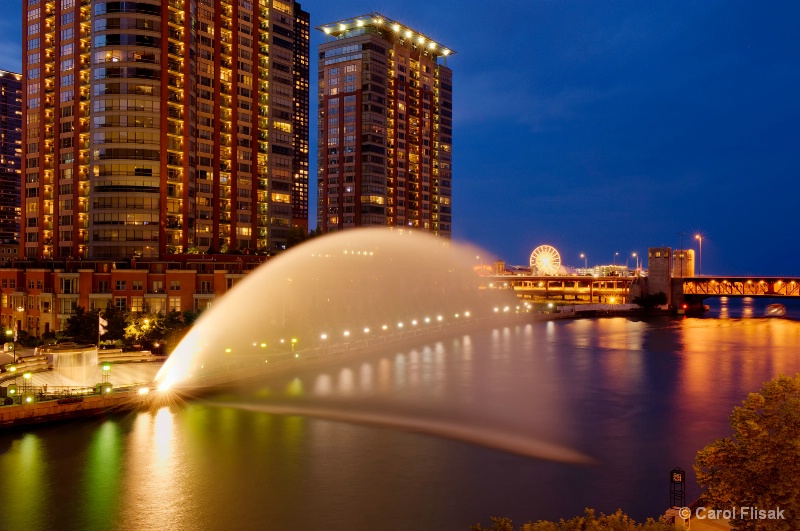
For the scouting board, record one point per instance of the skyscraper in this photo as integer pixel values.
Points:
(385, 127)
(154, 127)
(300, 118)
(10, 153)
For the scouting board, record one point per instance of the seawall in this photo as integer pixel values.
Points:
(69, 408)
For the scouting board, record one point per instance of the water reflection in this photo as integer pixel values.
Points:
(747, 308)
(155, 475)
(23, 469)
(724, 312)
(639, 397)
(103, 473)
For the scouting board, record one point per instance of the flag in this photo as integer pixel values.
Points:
(103, 324)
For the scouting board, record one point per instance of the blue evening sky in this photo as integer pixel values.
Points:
(605, 127)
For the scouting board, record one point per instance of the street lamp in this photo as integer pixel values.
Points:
(699, 239)
(615, 259)
(27, 377)
(637, 261)
(10, 338)
(585, 261)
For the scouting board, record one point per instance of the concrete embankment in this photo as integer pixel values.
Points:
(69, 408)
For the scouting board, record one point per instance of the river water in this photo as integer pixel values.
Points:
(638, 397)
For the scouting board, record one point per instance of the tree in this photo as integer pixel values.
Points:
(758, 466)
(617, 521)
(82, 326)
(117, 322)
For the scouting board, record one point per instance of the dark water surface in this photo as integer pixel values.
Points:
(639, 397)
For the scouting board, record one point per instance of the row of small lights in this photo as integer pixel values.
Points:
(400, 325)
(324, 336)
(395, 27)
(750, 282)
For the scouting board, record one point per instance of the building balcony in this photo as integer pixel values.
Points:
(203, 295)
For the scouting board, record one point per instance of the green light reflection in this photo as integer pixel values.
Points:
(102, 477)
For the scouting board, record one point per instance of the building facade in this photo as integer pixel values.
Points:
(10, 154)
(385, 127)
(40, 297)
(154, 127)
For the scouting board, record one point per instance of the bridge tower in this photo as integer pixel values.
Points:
(659, 275)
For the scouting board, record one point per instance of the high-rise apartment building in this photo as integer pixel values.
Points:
(300, 118)
(385, 127)
(153, 127)
(10, 153)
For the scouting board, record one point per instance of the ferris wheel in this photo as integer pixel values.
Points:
(546, 260)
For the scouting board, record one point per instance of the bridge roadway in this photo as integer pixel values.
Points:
(695, 288)
(571, 288)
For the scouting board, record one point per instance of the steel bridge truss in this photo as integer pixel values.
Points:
(742, 287)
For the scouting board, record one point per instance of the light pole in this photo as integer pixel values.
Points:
(699, 239)
(637, 261)
(615, 259)
(585, 261)
(10, 338)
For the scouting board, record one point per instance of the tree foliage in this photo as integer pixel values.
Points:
(759, 466)
(298, 235)
(617, 521)
(82, 326)
(144, 330)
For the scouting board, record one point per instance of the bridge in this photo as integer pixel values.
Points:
(565, 288)
(698, 288)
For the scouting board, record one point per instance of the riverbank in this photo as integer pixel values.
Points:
(24, 415)
(591, 311)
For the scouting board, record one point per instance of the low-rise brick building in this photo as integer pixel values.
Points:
(39, 296)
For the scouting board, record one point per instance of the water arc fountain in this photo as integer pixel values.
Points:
(332, 291)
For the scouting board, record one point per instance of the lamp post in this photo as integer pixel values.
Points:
(10, 338)
(699, 239)
(585, 261)
(28, 381)
(637, 261)
(615, 259)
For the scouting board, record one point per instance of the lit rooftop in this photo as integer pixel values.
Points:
(335, 29)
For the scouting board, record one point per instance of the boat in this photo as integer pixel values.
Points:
(775, 310)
